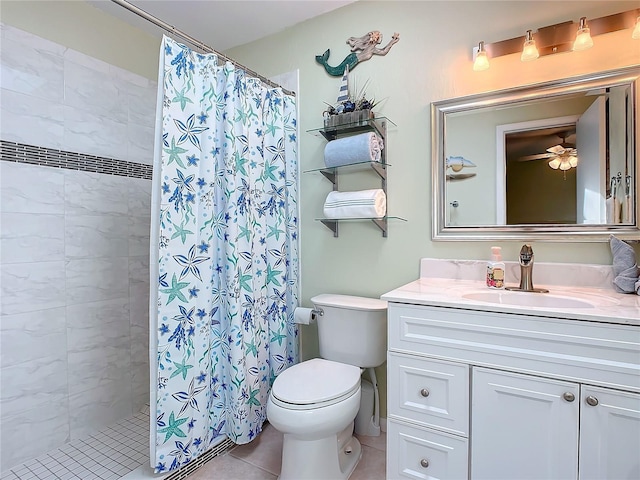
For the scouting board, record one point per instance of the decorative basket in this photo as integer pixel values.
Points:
(357, 117)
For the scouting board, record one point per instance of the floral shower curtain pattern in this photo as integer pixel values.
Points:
(226, 221)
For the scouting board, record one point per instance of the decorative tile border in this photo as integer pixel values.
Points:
(48, 157)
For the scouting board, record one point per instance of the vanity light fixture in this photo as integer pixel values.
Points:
(481, 61)
(583, 39)
(529, 49)
(636, 31)
(561, 37)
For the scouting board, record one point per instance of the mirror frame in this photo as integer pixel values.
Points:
(565, 232)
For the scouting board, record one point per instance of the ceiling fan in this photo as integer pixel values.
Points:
(562, 156)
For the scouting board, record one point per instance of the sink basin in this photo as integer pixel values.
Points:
(524, 299)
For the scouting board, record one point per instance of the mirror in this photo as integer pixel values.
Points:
(550, 161)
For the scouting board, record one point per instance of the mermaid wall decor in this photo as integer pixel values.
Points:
(362, 48)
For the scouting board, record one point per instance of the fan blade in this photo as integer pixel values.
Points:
(539, 156)
(556, 149)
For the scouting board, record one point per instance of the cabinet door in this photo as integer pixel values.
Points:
(609, 434)
(523, 427)
(423, 453)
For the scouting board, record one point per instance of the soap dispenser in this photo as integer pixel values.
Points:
(495, 269)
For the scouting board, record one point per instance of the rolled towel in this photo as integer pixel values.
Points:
(365, 147)
(360, 204)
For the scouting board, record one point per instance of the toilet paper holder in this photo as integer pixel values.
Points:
(306, 316)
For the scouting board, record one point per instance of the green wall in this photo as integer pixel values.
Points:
(431, 62)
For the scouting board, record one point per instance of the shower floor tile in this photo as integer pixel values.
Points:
(108, 454)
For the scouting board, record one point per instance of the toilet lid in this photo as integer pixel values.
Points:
(349, 302)
(316, 381)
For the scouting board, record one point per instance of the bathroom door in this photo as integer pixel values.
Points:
(591, 179)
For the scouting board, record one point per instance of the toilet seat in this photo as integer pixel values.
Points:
(315, 383)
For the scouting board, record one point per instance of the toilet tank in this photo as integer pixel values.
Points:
(352, 329)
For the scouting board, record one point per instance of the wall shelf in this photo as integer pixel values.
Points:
(379, 126)
(381, 223)
(331, 173)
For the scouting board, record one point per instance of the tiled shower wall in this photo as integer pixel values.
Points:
(74, 244)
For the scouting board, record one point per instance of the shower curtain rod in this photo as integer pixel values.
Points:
(169, 28)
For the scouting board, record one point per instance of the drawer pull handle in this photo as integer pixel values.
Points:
(424, 463)
(591, 400)
(425, 393)
(568, 396)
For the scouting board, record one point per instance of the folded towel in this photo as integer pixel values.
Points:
(609, 207)
(626, 281)
(360, 204)
(624, 256)
(617, 210)
(627, 209)
(625, 268)
(365, 147)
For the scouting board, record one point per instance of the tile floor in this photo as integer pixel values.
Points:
(121, 451)
(108, 454)
(260, 460)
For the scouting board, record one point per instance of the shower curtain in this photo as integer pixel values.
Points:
(224, 253)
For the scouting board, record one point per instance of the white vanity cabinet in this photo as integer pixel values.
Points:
(554, 420)
(524, 427)
(609, 434)
(476, 394)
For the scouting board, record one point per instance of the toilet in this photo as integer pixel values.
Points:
(314, 403)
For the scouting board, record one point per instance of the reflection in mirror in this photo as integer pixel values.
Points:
(530, 156)
(551, 160)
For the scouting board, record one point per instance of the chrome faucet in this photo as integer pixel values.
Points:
(526, 272)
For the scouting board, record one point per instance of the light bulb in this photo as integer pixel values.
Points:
(482, 61)
(529, 50)
(636, 31)
(583, 39)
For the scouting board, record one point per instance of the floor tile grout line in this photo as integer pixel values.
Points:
(275, 475)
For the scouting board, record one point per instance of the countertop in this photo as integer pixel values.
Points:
(605, 304)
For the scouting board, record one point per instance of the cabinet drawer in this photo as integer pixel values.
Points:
(431, 392)
(420, 453)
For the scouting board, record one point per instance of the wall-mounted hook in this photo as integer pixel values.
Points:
(454, 204)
